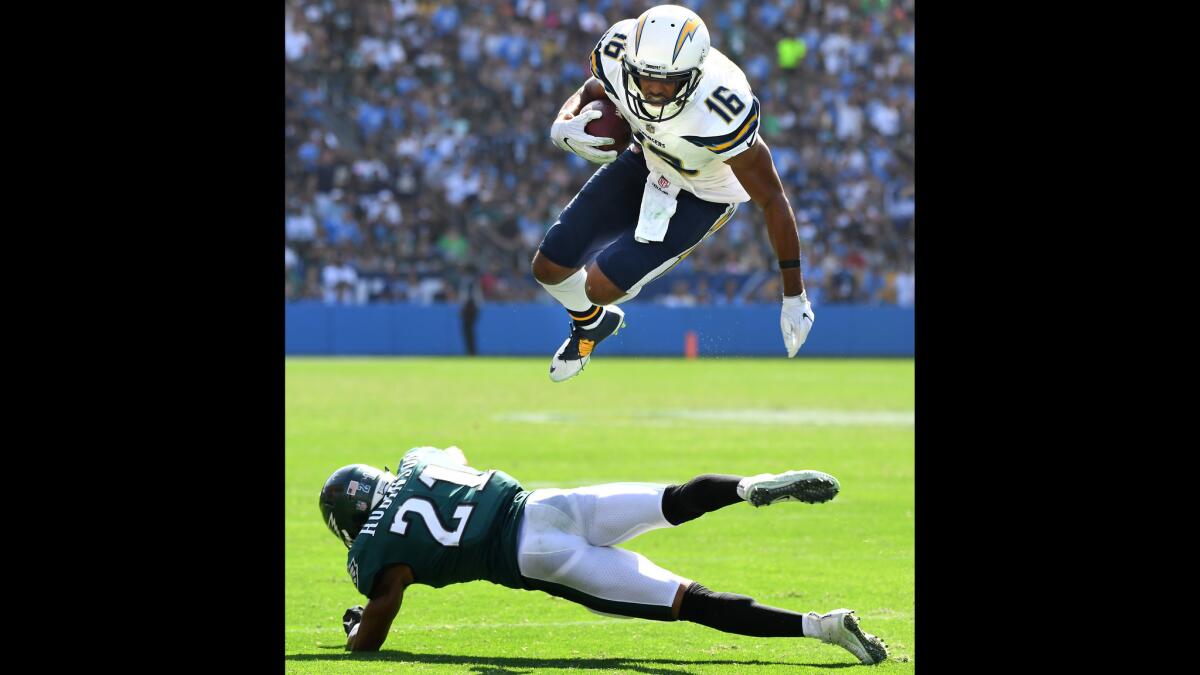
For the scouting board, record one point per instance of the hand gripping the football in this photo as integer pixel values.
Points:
(569, 134)
(795, 321)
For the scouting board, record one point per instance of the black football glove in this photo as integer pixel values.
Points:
(351, 618)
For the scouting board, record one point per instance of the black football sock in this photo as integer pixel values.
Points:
(587, 317)
(698, 496)
(738, 614)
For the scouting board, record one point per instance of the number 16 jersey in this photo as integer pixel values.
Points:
(450, 523)
(719, 121)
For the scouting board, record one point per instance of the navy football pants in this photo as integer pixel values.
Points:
(602, 217)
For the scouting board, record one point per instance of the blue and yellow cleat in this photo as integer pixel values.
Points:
(575, 353)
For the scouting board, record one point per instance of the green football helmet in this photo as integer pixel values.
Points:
(349, 496)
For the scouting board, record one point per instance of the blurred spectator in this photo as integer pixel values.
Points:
(906, 288)
(703, 295)
(791, 51)
(339, 281)
(680, 296)
(729, 295)
(471, 295)
(417, 141)
(292, 274)
(300, 226)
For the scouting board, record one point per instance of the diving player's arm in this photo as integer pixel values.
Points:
(453, 454)
(456, 454)
(755, 170)
(368, 635)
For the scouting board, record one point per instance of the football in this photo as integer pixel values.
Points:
(610, 125)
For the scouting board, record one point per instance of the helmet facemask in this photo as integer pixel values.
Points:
(669, 44)
(643, 108)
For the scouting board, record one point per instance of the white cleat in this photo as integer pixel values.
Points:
(840, 627)
(812, 487)
(576, 351)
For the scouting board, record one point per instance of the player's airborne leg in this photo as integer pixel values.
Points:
(598, 226)
(606, 205)
(710, 492)
(741, 614)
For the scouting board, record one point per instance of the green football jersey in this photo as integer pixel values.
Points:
(450, 523)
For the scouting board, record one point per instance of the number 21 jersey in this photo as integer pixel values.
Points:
(450, 523)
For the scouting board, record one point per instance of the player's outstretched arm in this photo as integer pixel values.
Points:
(453, 454)
(456, 453)
(755, 170)
(368, 634)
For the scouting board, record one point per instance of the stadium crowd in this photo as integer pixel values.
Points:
(419, 165)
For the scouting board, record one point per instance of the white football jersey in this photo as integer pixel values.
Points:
(719, 121)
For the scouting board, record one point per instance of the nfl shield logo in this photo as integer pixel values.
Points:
(663, 182)
(649, 128)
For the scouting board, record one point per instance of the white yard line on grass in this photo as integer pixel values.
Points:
(750, 416)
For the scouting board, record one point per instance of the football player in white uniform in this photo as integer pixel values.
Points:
(697, 155)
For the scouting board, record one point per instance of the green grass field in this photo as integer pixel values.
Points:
(622, 419)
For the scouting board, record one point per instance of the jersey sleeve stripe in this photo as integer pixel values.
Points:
(598, 71)
(745, 132)
(729, 140)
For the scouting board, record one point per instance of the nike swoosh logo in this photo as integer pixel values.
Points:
(552, 369)
(568, 142)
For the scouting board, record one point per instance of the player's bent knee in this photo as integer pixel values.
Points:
(600, 290)
(548, 272)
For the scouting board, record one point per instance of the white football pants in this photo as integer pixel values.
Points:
(565, 548)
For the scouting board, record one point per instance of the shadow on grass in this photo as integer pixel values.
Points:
(512, 665)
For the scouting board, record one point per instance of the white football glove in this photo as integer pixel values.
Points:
(569, 135)
(795, 321)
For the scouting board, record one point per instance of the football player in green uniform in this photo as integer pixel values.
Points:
(437, 521)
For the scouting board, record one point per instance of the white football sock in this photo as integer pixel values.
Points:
(811, 623)
(745, 483)
(571, 292)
